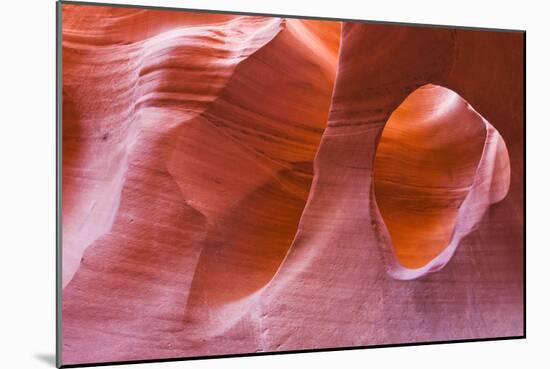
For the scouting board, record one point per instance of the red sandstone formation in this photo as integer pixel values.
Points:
(236, 184)
(438, 166)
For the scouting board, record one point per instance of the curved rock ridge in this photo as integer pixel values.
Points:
(340, 284)
(203, 106)
(236, 184)
(266, 120)
(436, 162)
(107, 86)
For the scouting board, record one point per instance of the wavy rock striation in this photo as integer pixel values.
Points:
(438, 166)
(235, 184)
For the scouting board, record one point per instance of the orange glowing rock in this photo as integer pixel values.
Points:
(236, 184)
(438, 166)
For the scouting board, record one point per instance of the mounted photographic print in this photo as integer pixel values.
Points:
(242, 184)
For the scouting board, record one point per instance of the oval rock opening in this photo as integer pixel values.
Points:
(425, 164)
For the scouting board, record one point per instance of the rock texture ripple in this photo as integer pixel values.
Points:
(238, 184)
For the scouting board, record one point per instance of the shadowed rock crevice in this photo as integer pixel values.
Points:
(425, 164)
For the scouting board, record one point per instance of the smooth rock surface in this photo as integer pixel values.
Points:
(225, 184)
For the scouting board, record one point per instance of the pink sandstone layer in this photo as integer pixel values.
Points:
(239, 184)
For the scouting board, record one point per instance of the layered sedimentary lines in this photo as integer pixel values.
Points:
(108, 81)
(426, 163)
(234, 184)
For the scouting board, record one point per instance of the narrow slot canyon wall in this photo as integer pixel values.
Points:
(240, 184)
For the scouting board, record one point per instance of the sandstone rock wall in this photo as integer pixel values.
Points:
(238, 184)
